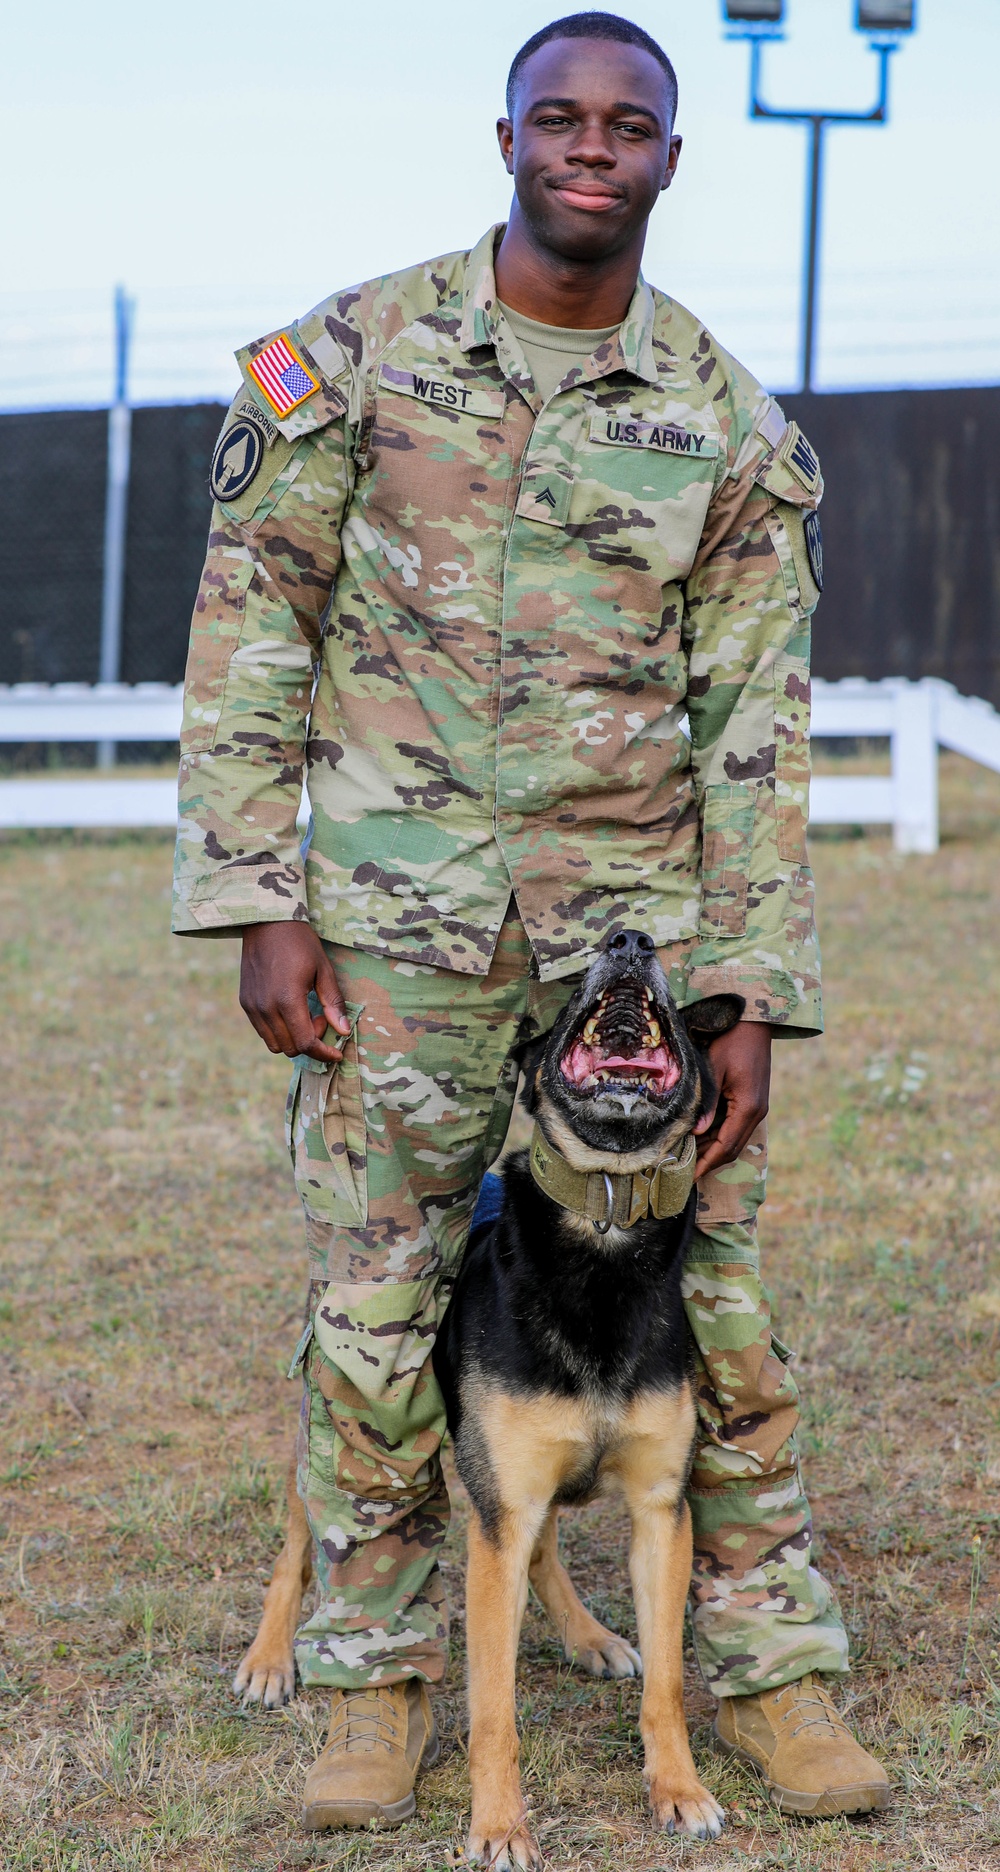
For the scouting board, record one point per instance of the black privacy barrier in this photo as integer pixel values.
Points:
(52, 486)
(911, 523)
(911, 534)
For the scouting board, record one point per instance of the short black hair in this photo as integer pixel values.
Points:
(592, 26)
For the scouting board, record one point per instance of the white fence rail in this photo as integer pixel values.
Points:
(917, 718)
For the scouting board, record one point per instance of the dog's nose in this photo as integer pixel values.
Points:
(631, 943)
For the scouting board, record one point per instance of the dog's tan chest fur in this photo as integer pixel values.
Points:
(539, 1446)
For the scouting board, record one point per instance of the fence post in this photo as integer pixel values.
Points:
(116, 513)
(915, 768)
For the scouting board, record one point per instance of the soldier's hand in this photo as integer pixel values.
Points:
(281, 963)
(741, 1063)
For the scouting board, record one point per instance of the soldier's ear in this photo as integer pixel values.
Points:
(705, 1020)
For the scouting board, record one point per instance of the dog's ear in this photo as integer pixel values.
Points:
(705, 1020)
(528, 1054)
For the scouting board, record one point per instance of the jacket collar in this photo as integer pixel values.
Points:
(484, 324)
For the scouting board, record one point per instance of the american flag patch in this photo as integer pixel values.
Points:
(282, 376)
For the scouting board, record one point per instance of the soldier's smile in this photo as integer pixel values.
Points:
(591, 197)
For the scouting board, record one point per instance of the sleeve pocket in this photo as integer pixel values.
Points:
(791, 734)
(727, 844)
(215, 634)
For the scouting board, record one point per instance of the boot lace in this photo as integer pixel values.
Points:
(806, 1696)
(368, 1719)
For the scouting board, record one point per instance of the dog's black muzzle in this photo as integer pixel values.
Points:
(619, 1062)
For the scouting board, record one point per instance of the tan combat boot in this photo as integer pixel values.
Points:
(800, 1744)
(380, 1739)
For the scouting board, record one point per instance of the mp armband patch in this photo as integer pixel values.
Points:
(800, 458)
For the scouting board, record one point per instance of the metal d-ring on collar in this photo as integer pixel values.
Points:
(609, 1193)
(608, 1199)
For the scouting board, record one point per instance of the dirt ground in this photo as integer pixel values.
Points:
(150, 1297)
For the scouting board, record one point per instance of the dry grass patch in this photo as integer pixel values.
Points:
(151, 1292)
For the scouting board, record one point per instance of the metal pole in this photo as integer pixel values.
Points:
(116, 512)
(814, 201)
(817, 121)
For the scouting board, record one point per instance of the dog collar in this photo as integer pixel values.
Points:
(612, 1198)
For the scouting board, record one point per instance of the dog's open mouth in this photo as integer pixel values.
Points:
(621, 1042)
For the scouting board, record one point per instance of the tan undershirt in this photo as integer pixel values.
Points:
(552, 350)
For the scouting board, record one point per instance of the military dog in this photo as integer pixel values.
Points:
(564, 1363)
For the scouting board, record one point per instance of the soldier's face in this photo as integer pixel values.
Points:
(590, 146)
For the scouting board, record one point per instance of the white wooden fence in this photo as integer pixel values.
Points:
(917, 718)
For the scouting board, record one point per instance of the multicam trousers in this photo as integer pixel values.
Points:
(389, 1151)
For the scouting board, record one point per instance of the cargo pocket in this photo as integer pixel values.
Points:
(380, 1333)
(727, 845)
(781, 1351)
(326, 1136)
(301, 1352)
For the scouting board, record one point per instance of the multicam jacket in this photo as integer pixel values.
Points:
(478, 623)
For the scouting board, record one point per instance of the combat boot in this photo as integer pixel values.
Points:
(797, 1740)
(380, 1739)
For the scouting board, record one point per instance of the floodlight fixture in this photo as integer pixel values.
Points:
(759, 22)
(754, 12)
(885, 16)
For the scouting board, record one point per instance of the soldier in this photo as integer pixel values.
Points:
(487, 531)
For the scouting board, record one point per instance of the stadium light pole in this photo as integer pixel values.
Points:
(116, 511)
(885, 22)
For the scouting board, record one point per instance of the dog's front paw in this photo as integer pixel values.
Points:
(503, 1847)
(687, 1809)
(606, 1655)
(265, 1676)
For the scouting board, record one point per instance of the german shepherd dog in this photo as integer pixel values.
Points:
(565, 1366)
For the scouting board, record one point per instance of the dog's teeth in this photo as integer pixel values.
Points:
(589, 1032)
(654, 1035)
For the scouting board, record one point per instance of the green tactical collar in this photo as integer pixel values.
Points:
(610, 1199)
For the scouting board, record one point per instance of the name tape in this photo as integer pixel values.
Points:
(447, 393)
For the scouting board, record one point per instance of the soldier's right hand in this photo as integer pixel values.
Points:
(281, 963)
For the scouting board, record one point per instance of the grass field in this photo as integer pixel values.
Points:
(151, 1293)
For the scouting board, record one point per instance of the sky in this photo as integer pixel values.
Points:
(232, 166)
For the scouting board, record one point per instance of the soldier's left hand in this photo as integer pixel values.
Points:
(741, 1063)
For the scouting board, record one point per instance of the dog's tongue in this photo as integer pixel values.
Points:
(658, 1061)
(581, 1062)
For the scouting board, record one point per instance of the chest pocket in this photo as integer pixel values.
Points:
(431, 411)
(641, 491)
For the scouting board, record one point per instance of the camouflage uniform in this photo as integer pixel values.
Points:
(475, 621)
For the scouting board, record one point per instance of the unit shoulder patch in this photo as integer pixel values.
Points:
(237, 458)
(622, 429)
